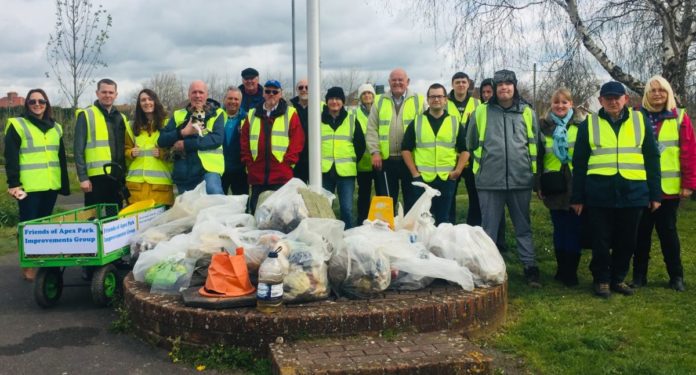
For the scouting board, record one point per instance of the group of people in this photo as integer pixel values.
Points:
(602, 177)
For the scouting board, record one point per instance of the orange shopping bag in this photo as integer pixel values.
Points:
(227, 276)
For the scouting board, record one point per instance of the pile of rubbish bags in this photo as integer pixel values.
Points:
(174, 251)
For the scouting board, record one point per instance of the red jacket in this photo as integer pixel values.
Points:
(687, 148)
(266, 169)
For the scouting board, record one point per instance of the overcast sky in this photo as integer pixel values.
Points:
(195, 39)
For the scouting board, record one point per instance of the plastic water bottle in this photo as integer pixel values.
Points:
(269, 291)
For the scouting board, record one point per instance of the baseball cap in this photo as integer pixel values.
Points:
(612, 88)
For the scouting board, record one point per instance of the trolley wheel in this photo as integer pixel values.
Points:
(105, 285)
(48, 286)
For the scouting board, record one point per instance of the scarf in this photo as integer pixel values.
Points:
(560, 136)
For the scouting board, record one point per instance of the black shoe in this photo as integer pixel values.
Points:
(602, 290)
(531, 274)
(677, 284)
(638, 281)
(622, 288)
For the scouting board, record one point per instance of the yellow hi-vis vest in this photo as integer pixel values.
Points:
(611, 154)
(481, 114)
(280, 134)
(365, 162)
(551, 162)
(39, 164)
(670, 165)
(411, 107)
(435, 154)
(97, 151)
(471, 105)
(146, 167)
(213, 160)
(337, 147)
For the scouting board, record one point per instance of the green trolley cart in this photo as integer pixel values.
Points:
(88, 236)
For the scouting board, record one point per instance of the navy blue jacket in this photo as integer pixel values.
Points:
(615, 191)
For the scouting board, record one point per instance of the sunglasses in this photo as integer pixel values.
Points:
(37, 101)
(271, 92)
(302, 87)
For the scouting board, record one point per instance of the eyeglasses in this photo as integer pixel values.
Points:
(302, 87)
(438, 97)
(37, 101)
(271, 92)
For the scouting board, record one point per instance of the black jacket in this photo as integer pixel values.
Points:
(12, 145)
(615, 191)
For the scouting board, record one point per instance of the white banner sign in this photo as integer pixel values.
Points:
(146, 217)
(51, 239)
(117, 233)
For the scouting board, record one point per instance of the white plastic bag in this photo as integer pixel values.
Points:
(417, 270)
(420, 212)
(284, 209)
(470, 247)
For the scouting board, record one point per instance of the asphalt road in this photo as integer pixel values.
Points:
(71, 338)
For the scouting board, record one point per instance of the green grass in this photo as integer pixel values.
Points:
(559, 330)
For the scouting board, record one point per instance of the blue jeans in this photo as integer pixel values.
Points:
(213, 183)
(440, 208)
(345, 187)
(567, 227)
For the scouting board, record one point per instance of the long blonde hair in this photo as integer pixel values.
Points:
(658, 81)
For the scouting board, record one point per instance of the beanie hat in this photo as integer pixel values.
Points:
(365, 87)
(250, 73)
(335, 92)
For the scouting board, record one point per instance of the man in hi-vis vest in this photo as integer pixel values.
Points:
(100, 136)
(389, 116)
(434, 150)
(195, 135)
(616, 173)
(272, 139)
(502, 137)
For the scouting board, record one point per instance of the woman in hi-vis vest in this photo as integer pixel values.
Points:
(35, 161)
(554, 181)
(149, 168)
(675, 137)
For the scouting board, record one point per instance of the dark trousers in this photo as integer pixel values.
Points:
(567, 227)
(614, 232)
(37, 204)
(441, 205)
(664, 220)
(256, 190)
(364, 180)
(104, 190)
(393, 173)
(236, 181)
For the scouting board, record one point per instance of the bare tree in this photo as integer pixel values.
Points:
(217, 85)
(169, 88)
(630, 39)
(348, 79)
(74, 49)
(576, 75)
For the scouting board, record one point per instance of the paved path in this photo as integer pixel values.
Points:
(71, 338)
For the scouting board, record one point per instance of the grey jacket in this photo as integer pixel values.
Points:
(505, 162)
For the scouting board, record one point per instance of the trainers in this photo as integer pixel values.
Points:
(532, 275)
(622, 288)
(677, 284)
(602, 290)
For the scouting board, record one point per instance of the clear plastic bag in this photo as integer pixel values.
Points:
(284, 209)
(358, 269)
(420, 212)
(472, 248)
(171, 275)
(419, 268)
(311, 244)
(177, 246)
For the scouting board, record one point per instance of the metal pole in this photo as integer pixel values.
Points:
(314, 136)
(534, 83)
(294, 77)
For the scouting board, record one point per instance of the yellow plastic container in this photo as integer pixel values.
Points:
(137, 206)
(382, 208)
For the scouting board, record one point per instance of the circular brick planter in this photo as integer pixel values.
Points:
(161, 318)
